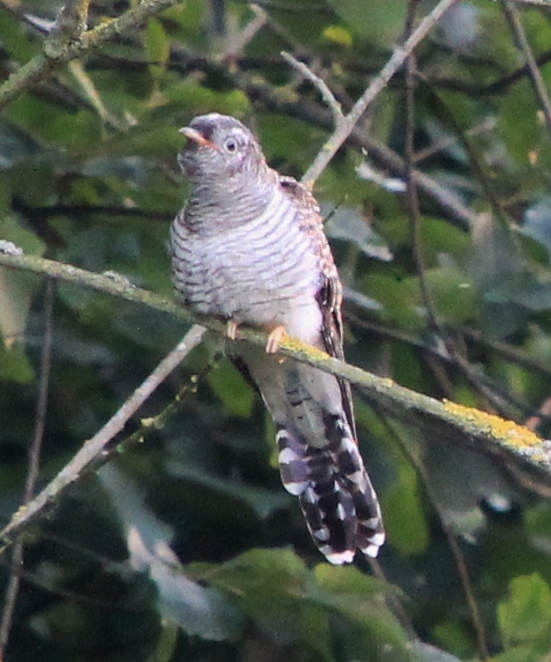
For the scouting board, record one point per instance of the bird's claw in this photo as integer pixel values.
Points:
(274, 339)
(231, 329)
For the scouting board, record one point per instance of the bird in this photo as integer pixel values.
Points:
(249, 248)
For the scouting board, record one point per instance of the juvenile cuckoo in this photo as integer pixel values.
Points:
(249, 248)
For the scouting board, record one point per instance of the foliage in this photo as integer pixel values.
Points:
(190, 549)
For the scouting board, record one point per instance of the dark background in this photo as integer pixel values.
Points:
(450, 297)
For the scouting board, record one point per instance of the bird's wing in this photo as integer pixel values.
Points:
(330, 293)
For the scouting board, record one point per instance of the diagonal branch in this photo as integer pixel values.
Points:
(513, 15)
(516, 446)
(69, 40)
(345, 126)
(94, 451)
(34, 452)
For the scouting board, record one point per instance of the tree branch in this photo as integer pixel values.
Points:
(540, 89)
(345, 127)
(34, 452)
(69, 40)
(533, 3)
(95, 451)
(483, 432)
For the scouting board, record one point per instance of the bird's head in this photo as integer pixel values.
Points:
(220, 147)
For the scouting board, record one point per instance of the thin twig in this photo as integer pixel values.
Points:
(435, 354)
(533, 3)
(341, 133)
(460, 564)
(94, 451)
(440, 145)
(411, 186)
(509, 352)
(328, 96)
(274, 99)
(33, 465)
(248, 33)
(72, 20)
(63, 45)
(544, 411)
(538, 83)
(286, 7)
(156, 422)
(461, 425)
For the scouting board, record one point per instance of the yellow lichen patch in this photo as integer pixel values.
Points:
(500, 429)
(296, 346)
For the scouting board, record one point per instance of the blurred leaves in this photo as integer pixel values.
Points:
(346, 224)
(197, 610)
(524, 618)
(209, 558)
(301, 601)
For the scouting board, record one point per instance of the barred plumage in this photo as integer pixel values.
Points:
(249, 247)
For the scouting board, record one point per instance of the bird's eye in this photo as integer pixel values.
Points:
(230, 146)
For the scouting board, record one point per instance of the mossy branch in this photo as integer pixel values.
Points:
(483, 432)
(69, 40)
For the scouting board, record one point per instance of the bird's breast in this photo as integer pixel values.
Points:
(263, 272)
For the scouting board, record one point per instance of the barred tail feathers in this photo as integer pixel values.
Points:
(336, 496)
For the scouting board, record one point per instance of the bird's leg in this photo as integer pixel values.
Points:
(231, 329)
(275, 338)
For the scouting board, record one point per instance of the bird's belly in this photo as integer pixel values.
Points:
(262, 289)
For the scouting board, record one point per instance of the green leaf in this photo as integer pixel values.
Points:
(348, 224)
(406, 526)
(262, 501)
(526, 614)
(381, 22)
(273, 586)
(157, 47)
(537, 222)
(14, 364)
(200, 611)
(236, 394)
(517, 122)
(15, 40)
(293, 603)
(453, 637)
(362, 600)
(338, 35)
(347, 589)
(452, 293)
(16, 293)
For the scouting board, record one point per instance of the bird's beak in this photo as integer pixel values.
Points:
(196, 137)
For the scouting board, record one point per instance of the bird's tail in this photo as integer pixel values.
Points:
(336, 496)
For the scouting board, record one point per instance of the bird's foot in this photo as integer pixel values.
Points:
(231, 329)
(275, 338)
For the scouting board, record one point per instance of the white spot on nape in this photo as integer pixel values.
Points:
(341, 513)
(213, 116)
(296, 489)
(372, 523)
(286, 456)
(281, 434)
(337, 558)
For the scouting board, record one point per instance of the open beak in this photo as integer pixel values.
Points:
(196, 137)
